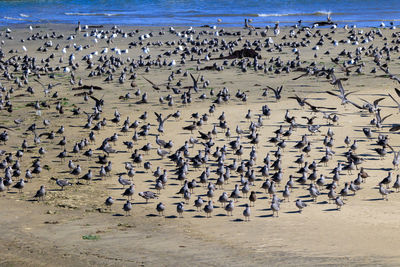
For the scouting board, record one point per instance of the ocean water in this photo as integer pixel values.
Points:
(199, 12)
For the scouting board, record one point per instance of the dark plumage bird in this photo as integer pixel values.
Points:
(20, 185)
(129, 192)
(109, 202)
(40, 194)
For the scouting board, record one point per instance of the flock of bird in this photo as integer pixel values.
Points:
(214, 161)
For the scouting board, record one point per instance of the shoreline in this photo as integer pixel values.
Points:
(63, 26)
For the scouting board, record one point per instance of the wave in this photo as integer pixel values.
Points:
(24, 15)
(91, 14)
(11, 18)
(318, 13)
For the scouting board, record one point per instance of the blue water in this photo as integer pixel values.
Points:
(198, 12)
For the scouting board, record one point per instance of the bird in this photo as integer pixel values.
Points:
(127, 208)
(123, 181)
(88, 176)
(253, 198)
(387, 180)
(300, 205)
(148, 195)
(275, 207)
(129, 192)
(109, 202)
(153, 85)
(180, 209)
(160, 209)
(342, 94)
(229, 208)
(198, 203)
(208, 208)
(62, 183)
(40, 194)
(246, 212)
(277, 91)
(20, 185)
(384, 192)
(339, 203)
(396, 184)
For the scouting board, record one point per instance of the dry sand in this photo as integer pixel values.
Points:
(364, 232)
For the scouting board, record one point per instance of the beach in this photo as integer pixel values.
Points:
(73, 227)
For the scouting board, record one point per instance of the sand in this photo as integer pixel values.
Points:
(53, 232)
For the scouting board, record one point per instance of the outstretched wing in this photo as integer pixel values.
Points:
(365, 100)
(193, 79)
(332, 93)
(384, 118)
(166, 118)
(295, 97)
(5, 127)
(340, 86)
(94, 98)
(280, 89)
(378, 116)
(36, 80)
(328, 108)
(377, 101)
(354, 104)
(394, 99)
(397, 92)
(311, 106)
(298, 77)
(149, 81)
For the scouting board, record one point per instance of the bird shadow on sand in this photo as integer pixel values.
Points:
(152, 215)
(267, 209)
(221, 215)
(54, 190)
(373, 199)
(381, 169)
(190, 210)
(238, 220)
(265, 216)
(293, 211)
(118, 215)
(171, 217)
(333, 209)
